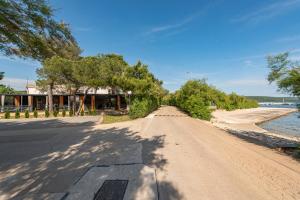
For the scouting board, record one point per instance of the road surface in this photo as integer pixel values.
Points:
(191, 159)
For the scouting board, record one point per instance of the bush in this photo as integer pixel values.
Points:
(63, 112)
(17, 114)
(71, 113)
(195, 106)
(82, 113)
(55, 113)
(26, 113)
(196, 96)
(7, 114)
(141, 108)
(35, 113)
(47, 114)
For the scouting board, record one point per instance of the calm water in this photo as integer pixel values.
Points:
(286, 125)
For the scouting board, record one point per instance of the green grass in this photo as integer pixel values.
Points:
(108, 119)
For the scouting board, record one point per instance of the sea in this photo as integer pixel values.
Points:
(288, 125)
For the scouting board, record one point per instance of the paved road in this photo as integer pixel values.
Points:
(192, 160)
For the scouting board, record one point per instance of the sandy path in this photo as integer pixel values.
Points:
(203, 162)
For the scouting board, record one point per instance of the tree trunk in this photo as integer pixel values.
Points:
(73, 102)
(82, 103)
(50, 98)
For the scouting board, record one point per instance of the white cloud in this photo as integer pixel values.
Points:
(16, 83)
(267, 12)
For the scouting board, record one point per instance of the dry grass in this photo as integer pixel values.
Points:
(108, 119)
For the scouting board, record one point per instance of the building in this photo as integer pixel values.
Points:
(35, 98)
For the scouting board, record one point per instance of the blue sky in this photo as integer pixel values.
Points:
(225, 42)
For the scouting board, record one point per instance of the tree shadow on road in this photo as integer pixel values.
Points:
(52, 164)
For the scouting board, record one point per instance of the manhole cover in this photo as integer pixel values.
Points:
(112, 190)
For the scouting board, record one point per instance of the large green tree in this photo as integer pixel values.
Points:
(285, 73)
(27, 29)
(51, 74)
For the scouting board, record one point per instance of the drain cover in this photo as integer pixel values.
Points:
(112, 190)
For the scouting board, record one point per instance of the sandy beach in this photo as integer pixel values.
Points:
(244, 122)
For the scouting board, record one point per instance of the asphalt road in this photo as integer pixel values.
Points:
(191, 158)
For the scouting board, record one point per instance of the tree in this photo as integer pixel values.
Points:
(54, 72)
(89, 72)
(285, 73)
(29, 30)
(5, 89)
(114, 67)
(141, 82)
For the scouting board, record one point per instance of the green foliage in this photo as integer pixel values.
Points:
(63, 113)
(285, 73)
(7, 114)
(6, 90)
(93, 112)
(47, 113)
(35, 113)
(55, 113)
(17, 114)
(142, 107)
(196, 107)
(28, 29)
(82, 113)
(71, 113)
(196, 96)
(169, 99)
(26, 113)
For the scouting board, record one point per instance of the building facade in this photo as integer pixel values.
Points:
(35, 98)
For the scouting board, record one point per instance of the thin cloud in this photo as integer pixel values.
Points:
(174, 26)
(260, 56)
(289, 39)
(268, 12)
(16, 83)
(28, 62)
(247, 82)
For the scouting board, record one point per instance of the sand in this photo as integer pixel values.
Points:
(244, 123)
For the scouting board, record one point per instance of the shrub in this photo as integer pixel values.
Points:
(55, 113)
(63, 112)
(7, 114)
(47, 114)
(142, 107)
(195, 106)
(17, 114)
(196, 96)
(26, 113)
(35, 113)
(71, 113)
(82, 113)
